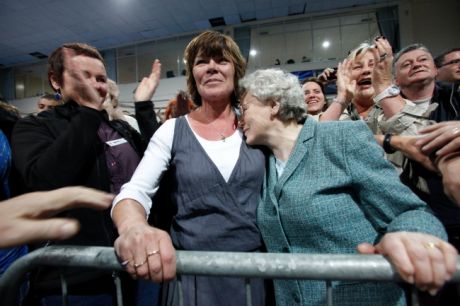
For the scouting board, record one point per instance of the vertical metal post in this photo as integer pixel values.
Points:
(329, 293)
(414, 296)
(119, 293)
(247, 282)
(179, 291)
(65, 298)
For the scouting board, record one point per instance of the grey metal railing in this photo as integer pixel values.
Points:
(326, 267)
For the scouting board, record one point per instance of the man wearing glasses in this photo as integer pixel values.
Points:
(448, 64)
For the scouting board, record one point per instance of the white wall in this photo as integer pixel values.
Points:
(167, 90)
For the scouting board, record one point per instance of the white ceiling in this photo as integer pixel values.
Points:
(29, 26)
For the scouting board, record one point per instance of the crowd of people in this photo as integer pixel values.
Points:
(243, 163)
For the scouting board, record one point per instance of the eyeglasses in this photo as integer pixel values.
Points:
(241, 109)
(454, 61)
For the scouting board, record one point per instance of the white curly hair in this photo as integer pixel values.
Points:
(279, 86)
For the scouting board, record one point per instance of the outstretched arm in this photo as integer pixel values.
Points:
(413, 239)
(26, 218)
(420, 259)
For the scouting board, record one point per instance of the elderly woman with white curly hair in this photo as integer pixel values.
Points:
(319, 171)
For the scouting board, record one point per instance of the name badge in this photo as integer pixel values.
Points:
(116, 142)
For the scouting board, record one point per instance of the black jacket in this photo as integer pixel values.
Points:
(60, 148)
(146, 118)
(448, 99)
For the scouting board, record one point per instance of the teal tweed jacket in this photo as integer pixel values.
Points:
(337, 191)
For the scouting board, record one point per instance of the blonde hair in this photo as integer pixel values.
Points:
(111, 102)
(361, 49)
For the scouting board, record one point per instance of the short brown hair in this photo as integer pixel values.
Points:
(317, 81)
(56, 59)
(213, 44)
(439, 60)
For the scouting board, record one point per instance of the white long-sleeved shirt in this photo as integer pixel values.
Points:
(146, 179)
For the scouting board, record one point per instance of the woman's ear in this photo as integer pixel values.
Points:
(54, 83)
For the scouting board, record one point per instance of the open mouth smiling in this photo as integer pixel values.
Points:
(364, 82)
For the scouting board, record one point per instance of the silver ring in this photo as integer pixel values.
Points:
(153, 253)
(383, 56)
(140, 264)
(124, 263)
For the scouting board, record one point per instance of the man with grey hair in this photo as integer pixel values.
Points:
(415, 73)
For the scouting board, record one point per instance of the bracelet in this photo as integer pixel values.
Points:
(387, 144)
(343, 103)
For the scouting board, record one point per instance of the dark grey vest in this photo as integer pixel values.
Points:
(213, 215)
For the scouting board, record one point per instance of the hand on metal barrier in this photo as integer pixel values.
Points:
(420, 259)
(144, 251)
(25, 219)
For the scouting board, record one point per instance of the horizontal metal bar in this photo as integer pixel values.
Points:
(251, 265)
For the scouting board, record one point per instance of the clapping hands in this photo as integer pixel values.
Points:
(148, 85)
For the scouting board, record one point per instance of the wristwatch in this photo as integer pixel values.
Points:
(391, 91)
(387, 144)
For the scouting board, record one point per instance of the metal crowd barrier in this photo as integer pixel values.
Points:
(326, 267)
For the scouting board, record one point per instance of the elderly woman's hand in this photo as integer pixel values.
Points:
(148, 85)
(146, 252)
(346, 86)
(420, 259)
(382, 76)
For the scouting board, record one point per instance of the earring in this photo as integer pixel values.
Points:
(57, 95)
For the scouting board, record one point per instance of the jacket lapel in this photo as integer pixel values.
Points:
(271, 179)
(300, 151)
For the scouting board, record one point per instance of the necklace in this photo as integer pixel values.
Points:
(224, 131)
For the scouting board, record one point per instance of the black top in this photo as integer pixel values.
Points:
(60, 148)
